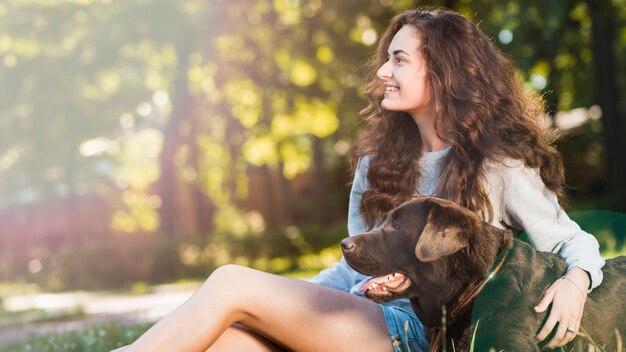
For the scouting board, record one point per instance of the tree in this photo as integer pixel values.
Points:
(607, 94)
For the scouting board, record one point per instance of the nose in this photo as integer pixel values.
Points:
(347, 245)
(384, 71)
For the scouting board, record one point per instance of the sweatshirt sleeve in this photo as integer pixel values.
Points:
(341, 276)
(531, 206)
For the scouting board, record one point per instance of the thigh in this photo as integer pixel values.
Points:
(240, 338)
(306, 317)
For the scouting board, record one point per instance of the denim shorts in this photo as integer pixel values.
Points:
(407, 332)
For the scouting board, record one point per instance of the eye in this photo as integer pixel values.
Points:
(399, 59)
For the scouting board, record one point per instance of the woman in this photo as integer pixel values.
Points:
(447, 116)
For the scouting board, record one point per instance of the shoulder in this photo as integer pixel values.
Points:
(363, 163)
(503, 165)
(520, 188)
(512, 175)
(365, 159)
(508, 168)
(360, 171)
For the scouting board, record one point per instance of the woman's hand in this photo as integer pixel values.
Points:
(567, 295)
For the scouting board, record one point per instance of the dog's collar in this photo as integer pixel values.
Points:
(435, 342)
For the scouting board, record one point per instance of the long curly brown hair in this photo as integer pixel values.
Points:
(481, 110)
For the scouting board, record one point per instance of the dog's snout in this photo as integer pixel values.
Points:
(347, 245)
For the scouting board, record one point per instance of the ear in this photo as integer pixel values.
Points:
(442, 235)
(507, 238)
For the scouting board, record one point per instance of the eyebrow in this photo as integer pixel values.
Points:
(399, 51)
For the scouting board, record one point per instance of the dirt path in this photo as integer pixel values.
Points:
(99, 308)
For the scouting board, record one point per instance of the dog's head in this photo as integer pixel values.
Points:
(418, 243)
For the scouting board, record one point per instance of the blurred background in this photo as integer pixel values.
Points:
(145, 142)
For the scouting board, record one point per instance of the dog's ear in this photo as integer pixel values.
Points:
(443, 233)
(507, 238)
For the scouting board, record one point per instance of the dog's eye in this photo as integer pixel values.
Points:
(395, 226)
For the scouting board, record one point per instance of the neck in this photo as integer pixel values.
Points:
(484, 261)
(484, 271)
(428, 306)
(426, 125)
(459, 310)
(432, 145)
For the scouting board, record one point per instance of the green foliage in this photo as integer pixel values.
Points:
(135, 261)
(108, 97)
(92, 264)
(31, 316)
(72, 75)
(608, 227)
(96, 339)
(295, 249)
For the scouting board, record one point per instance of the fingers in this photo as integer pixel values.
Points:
(570, 334)
(552, 318)
(548, 326)
(558, 337)
(566, 329)
(563, 335)
(565, 315)
(546, 300)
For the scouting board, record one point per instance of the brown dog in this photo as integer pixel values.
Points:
(437, 254)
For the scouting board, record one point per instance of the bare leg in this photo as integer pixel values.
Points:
(298, 315)
(240, 338)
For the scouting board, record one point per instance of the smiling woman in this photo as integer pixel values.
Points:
(405, 75)
(446, 116)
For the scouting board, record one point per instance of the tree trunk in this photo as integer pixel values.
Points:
(603, 34)
(320, 209)
(285, 200)
(166, 262)
(270, 209)
(202, 206)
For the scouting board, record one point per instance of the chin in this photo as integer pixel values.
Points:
(389, 107)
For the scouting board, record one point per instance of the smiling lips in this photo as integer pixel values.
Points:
(391, 88)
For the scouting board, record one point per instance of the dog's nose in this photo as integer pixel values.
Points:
(347, 245)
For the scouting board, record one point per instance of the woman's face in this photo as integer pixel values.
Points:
(405, 75)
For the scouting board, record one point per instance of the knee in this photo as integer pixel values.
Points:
(229, 285)
(229, 277)
(228, 272)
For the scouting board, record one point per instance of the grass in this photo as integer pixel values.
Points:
(31, 316)
(590, 347)
(102, 338)
(111, 336)
(108, 337)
